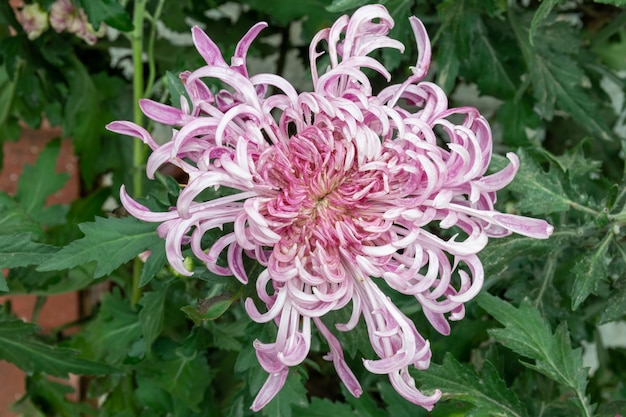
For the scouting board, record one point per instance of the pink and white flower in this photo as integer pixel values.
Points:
(65, 17)
(337, 190)
(34, 20)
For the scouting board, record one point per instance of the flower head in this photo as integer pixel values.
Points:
(33, 19)
(337, 190)
(65, 17)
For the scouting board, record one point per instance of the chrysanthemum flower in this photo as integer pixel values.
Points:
(337, 190)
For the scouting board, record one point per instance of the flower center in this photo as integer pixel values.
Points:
(318, 185)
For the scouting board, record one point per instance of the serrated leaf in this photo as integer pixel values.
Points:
(109, 11)
(113, 331)
(32, 356)
(14, 221)
(20, 250)
(228, 336)
(398, 406)
(520, 124)
(489, 394)
(542, 12)
(365, 405)
(110, 242)
(497, 255)
(540, 192)
(152, 314)
(38, 181)
(616, 304)
(292, 395)
(527, 333)
(467, 46)
(185, 377)
(323, 407)
(42, 392)
(589, 270)
(557, 78)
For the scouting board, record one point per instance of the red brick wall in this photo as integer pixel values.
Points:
(57, 309)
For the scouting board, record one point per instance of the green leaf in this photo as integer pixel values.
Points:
(14, 221)
(183, 372)
(292, 395)
(20, 250)
(557, 79)
(496, 256)
(520, 124)
(152, 314)
(39, 181)
(113, 331)
(529, 335)
(489, 395)
(82, 116)
(110, 242)
(343, 5)
(7, 93)
(283, 12)
(324, 408)
(31, 356)
(589, 270)
(176, 89)
(228, 336)
(154, 263)
(365, 405)
(398, 406)
(540, 192)
(613, 2)
(467, 47)
(612, 409)
(542, 12)
(616, 304)
(109, 11)
(448, 64)
(208, 309)
(43, 393)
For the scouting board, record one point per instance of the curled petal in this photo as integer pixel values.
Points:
(131, 129)
(270, 388)
(207, 48)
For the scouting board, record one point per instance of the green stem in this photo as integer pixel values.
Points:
(582, 208)
(548, 274)
(139, 149)
(138, 81)
(151, 39)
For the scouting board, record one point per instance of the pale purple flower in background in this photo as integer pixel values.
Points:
(34, 20)
(64, 17)
(337, 190)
